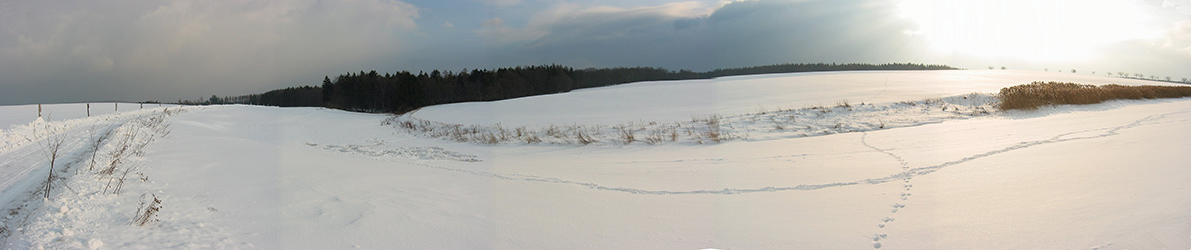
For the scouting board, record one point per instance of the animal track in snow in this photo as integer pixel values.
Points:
(420, 153)
(905, 166)
(877, 237)
(906, 175)
(877, 240)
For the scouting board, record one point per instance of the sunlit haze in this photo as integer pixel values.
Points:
(1032, 30)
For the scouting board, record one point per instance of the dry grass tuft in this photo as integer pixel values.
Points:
(146, 211)
(1037, 94)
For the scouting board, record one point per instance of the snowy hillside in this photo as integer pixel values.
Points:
(908, 163)
(669, 101)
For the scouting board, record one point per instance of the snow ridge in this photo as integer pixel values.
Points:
(758, 126)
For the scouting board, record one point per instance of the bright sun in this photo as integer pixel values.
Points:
(1031, 30)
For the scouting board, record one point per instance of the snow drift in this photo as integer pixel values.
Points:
(1103, 176)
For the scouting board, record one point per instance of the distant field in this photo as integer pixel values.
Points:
(675, 101)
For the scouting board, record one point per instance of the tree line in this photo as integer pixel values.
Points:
(404, 91)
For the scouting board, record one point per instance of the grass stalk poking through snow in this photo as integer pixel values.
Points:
(765, 124)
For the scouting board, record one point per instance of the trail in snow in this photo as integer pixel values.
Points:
(22, 155)
(86, 209)
(1056, 139)
(905, 194)
(22, 191)
(26, 198)
(907, 173)
(422, 153)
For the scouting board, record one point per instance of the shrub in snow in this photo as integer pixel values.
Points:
(1037, 94)
(146, 211)
(51, 144)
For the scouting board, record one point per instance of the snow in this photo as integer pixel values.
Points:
(670, 101)
(1105, 176)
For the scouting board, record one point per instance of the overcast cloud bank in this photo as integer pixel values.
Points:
(133, 50)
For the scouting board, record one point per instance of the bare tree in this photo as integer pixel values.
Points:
(96, 143)
(51, 144)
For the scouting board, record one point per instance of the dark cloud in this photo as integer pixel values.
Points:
(139, 50)
(692, 36)
(750, 33)
(743, 33)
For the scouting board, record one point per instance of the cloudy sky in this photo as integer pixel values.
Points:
(137, 50)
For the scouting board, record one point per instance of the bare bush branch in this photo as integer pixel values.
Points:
(51, 144)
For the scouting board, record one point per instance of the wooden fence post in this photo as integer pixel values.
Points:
(39, 110)
(88, 109)
(117, 106)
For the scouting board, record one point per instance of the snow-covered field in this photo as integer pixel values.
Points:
(896, 172)
(671, 101)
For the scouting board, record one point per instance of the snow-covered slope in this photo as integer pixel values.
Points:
(1108, 176)
(670, 101)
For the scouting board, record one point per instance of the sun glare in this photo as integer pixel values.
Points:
(1031, 30)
